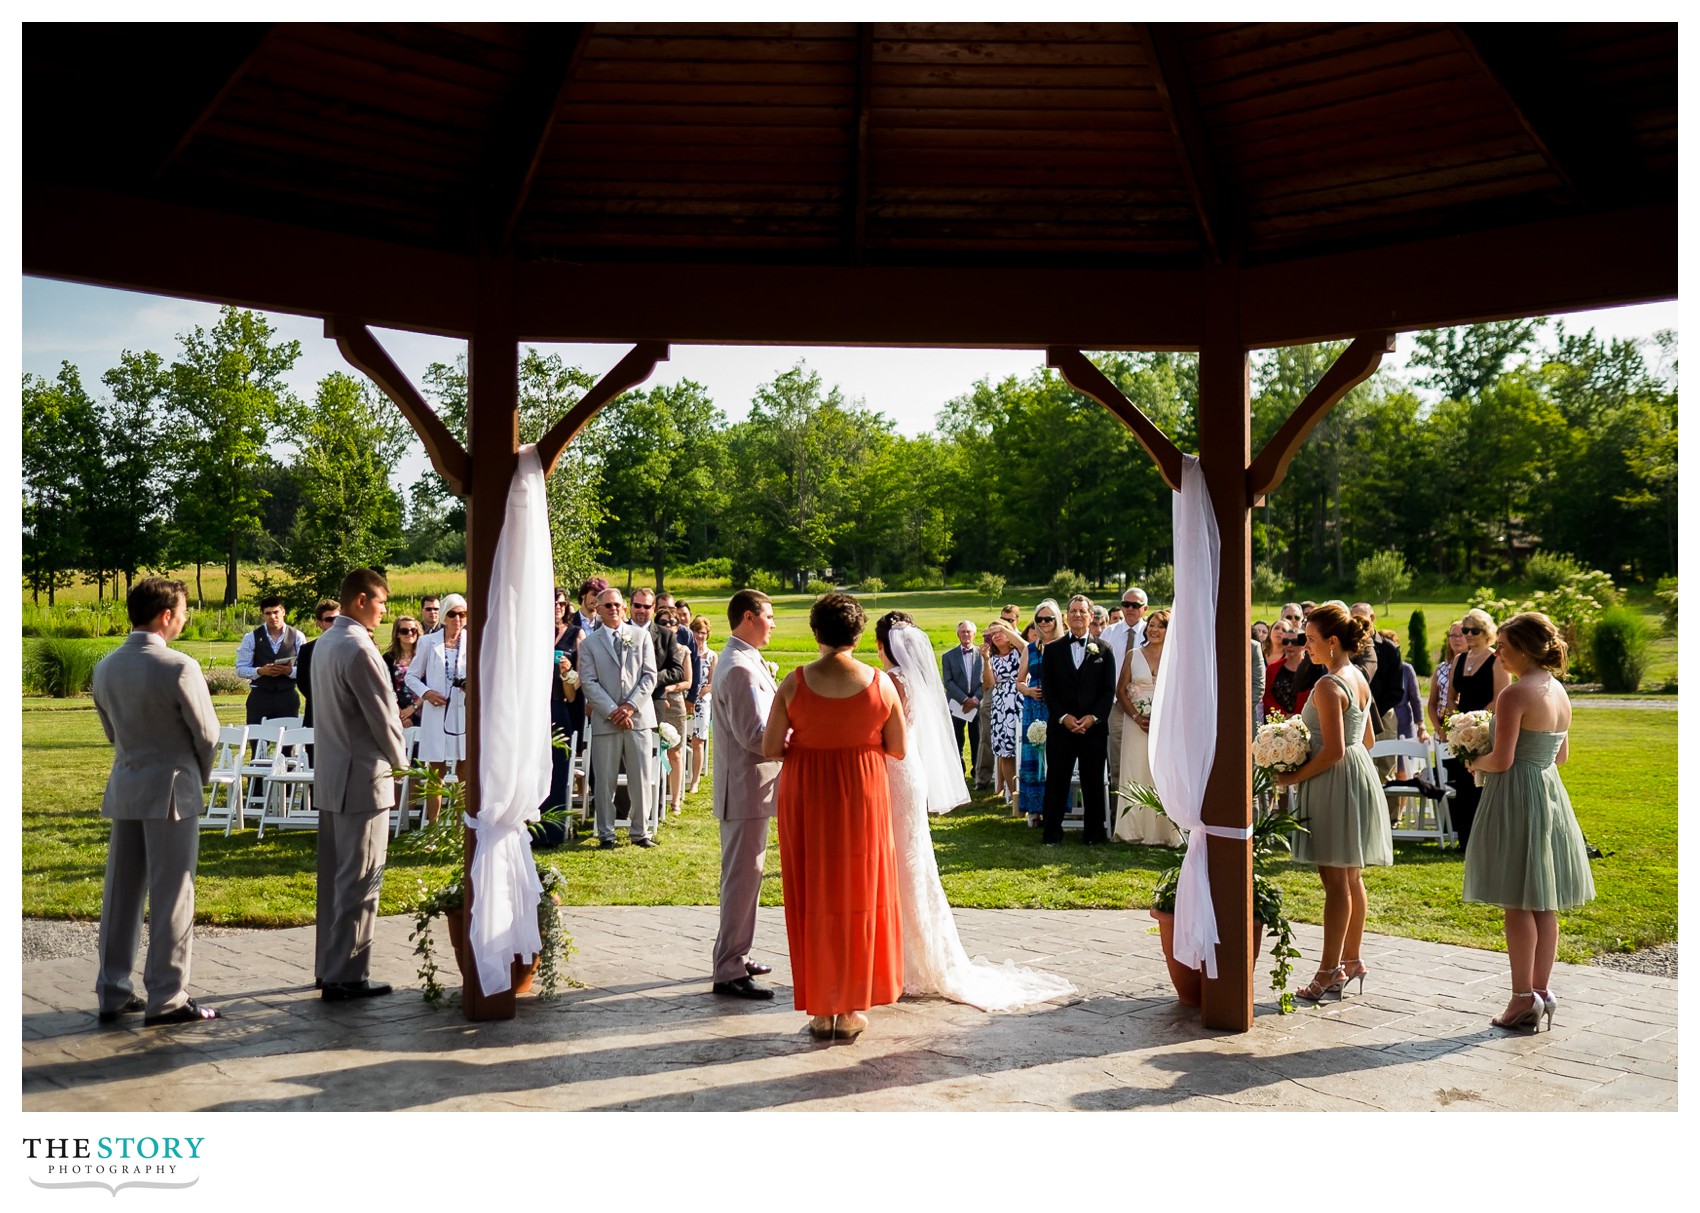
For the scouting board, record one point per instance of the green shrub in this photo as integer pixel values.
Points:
(62, 667)
(817, 587)
(1549, 570)
(990, 586)
(873, 586)
(1382, 576)
(1065, 584)
(715, 568)
(1268, 584)
(1159, 585)
(223, 680)
(766, 582)
(1416, 645)
(1619, 649)
(1665, 592)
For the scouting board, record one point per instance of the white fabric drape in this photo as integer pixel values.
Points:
(1183, 722)
(513, 735)
(930, 736)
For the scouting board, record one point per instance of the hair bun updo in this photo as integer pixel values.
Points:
(1537, 637)
(1334, 622)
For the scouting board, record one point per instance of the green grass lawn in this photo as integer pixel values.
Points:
(1622, 778)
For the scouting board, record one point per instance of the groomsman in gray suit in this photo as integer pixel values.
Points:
(746, 789)
(153, 704)
(358, 744)
(617, 673)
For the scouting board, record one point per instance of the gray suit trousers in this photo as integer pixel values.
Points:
(607, 744)
(985, 770)
(150, 861)
(1118, 721)
(743, 856)
(352, 850)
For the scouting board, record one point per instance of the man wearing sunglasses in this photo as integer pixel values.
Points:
(617, 673)
(324, 615)
(1129, 628)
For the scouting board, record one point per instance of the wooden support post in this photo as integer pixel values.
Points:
(492, 373)
(1224, 449)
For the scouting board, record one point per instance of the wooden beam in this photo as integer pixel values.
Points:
(858, 192)
(523, 135)
(364, 352)
(1356, 363)
(1192, 140)
(250, 40)
(633, 369)
(1088, 380)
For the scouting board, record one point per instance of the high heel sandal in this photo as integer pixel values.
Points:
(1530, 1019)
(1549, 1005)
(1355, 971)
(1326, 982)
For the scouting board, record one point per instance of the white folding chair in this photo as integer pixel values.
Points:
(288, 722)
(1421, 798)
(289, 786)
(226, 774)
(407, 798)
(1075, 817)
(264, 738)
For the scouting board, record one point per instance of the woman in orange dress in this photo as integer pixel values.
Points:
(834, 722)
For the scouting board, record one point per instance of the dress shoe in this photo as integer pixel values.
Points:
(608, 844)
(644, 842)
(189, 1012)
(1053, 842)
(131, 1005)
(1095, 842)
(347, 991)
(756, 969)
(742, 987)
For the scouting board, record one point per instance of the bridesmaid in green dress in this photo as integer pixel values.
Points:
(1339, 797)
(1527, 852)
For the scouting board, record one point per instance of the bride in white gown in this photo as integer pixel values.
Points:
(930, 779)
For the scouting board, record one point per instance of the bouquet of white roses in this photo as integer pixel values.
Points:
(1037, 732)
(1283, 744)
(668, 734)
(571, 678)
(1142, 707)
(1469, 735)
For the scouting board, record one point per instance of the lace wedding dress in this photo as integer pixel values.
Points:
(934, 961)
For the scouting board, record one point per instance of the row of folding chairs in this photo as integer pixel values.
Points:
(1420, 794)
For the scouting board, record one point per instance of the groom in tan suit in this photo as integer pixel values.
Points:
(746, 789)
(154, 706)
(358, 744)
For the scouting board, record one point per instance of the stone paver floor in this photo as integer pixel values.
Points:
(644, 1034)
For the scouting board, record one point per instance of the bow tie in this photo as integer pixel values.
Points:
(1077, 639)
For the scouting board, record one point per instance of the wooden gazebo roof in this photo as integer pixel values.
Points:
(590, 156)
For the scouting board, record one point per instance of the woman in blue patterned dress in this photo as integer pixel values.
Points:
(1004, 652)
(1030, 685)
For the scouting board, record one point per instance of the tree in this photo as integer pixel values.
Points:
(227, 386)
(348, 443)
(125, 491)
(1381, 576)
(60, 431)
(1462, 362)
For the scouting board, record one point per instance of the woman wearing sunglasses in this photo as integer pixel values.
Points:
(404, 643)
(1281, 691)
(438, 677)
(1475, 682)
(1030, 685)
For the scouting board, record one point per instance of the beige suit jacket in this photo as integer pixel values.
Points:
(357, 740)
(615, 671)
(745, 784)
(154, 706)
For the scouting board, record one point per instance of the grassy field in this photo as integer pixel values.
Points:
(1622, 778)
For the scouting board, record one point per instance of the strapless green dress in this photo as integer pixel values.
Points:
(1343, 807)
(1526, 851)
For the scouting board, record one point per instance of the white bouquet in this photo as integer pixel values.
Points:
(1037, 732)
(571, 678)
(1282, 745)
(668, 734)
(1469, 735)
(1142, 707)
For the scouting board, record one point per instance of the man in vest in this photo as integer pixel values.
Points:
(266, 657)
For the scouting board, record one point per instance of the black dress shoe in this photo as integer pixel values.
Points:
(742, 987)
(1096, 842)
(608, 844)
(346, 991)
(131, 1005)
(189, 1012)
(318, 983)
(756, 969)
(1053, 842)
(644, 842)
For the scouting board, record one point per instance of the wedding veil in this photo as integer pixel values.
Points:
(930, 736)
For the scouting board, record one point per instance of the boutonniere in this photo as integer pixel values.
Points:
(772, 668)
(1092, 648)
(625, 640)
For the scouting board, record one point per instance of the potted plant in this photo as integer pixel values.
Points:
(448, 901)
(1271, 838)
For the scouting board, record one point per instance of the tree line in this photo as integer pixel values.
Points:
(1571, 449)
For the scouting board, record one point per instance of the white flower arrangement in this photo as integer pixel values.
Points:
(1281, 745)
(668, 734)
(772, 668)
(1037, 732)
(1469, 735)
(626, 639)
(571, 678)
(1092, 648)
(1142, 707)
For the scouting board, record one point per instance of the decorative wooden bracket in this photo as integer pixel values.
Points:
(630, 371)
(1356, 363)
(1088, 380)
(363, 352)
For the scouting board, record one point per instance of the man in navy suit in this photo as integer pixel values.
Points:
(1080, 685)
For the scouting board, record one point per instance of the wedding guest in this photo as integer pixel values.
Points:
(1529, 855)
(1380, 662)
(1011, 614)
(1450, 647)
(1000, 676)
(834, 722)
(618, 678)
(1099, 621)
(1258, 675)
(1270, 645)
(1281, 692)
(1030, 685)
(1079, 680)
(672, 679)
(430, 615)
(566, 719)
(1339, 798)
(1475, 682)
(964, 670)
(266, 657)
(323, 614)
(437, 675)
(404, 643)
(1127, 631)
(681, 615)
(589, 594)
(1259, 632)
(700, 720)
(985, 763)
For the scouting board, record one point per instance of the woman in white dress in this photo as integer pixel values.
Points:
(930, 779)
(437, 675)
(1136, 689)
